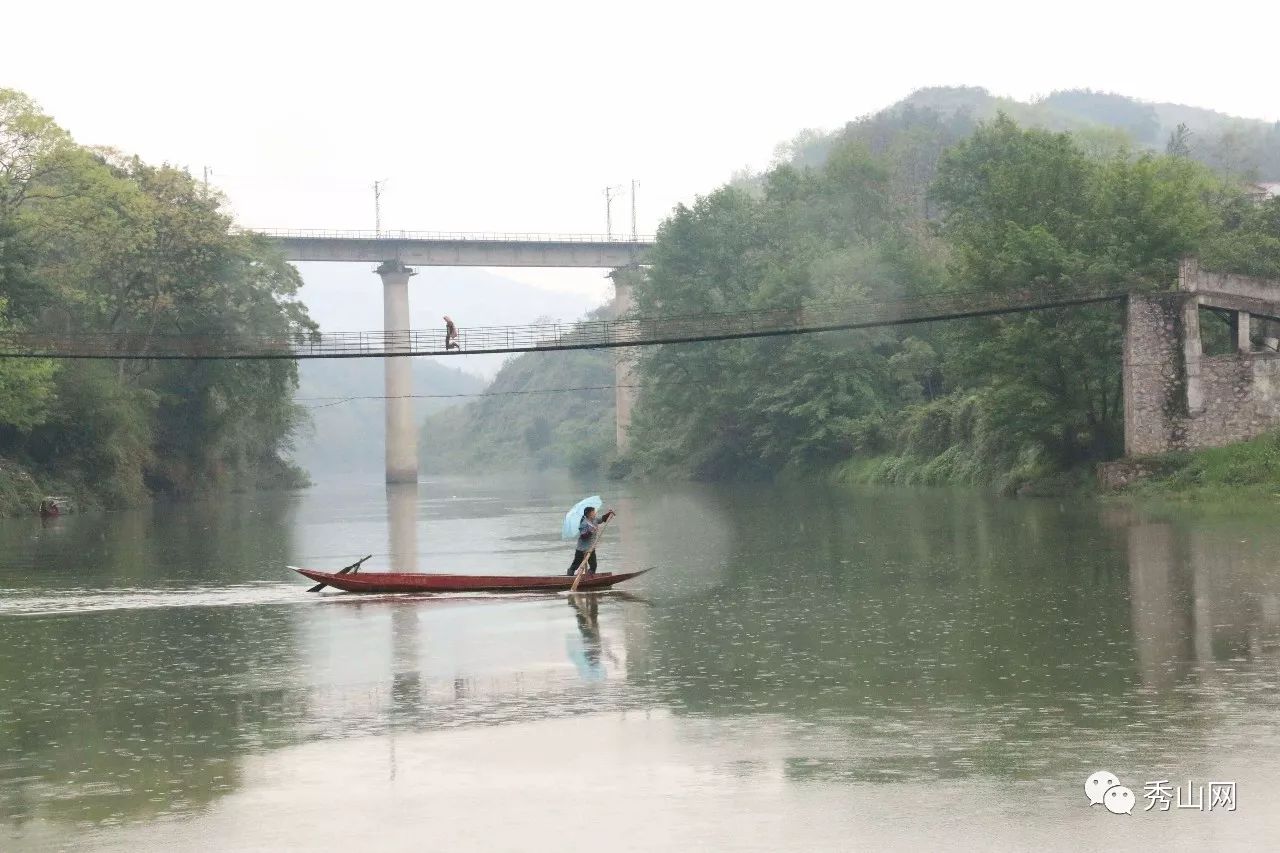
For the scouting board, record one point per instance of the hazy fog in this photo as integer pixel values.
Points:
(515, 116)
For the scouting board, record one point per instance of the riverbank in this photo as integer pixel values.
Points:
(19, 492)
(959, 466)
(22, 488)
(1249, 469)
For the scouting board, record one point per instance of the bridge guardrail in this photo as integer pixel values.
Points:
(452, 236)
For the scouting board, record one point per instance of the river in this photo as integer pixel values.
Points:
(807, 669)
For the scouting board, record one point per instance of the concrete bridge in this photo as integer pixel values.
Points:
(459, 249)
(397, 251)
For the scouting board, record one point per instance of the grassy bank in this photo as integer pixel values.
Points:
(1248, 469)
(961, 467)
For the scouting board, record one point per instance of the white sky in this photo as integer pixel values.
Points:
(494, 116)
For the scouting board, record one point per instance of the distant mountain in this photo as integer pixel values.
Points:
(520, 428)
(1243, 147)
(345, 439)
(1248, 149)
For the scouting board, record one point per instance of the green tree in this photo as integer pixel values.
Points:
(1026, 208)
(26, 388)
(755, 407)
(92, 240)
(1179, 144)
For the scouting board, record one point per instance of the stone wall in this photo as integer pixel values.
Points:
(1122, 473)
(1241, 399)
(1175, 398)
(1155, 407)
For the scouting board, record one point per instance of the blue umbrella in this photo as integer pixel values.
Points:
(574, 516)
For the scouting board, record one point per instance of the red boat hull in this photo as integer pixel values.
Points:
(413, 582)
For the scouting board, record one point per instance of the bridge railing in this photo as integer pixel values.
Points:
(450, 236)
(625, 332)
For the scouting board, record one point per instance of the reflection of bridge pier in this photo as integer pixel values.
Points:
(1157, 583)
(402, 535)
(402, 526)
(1195, 596)
(631, 542)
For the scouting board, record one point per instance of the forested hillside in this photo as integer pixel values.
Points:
(345, 436)
(950, 190)
(1101, 123)
(527, 423)
(1012, 400)
(96, 240)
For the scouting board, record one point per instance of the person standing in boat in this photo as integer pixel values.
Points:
(588, 530)
(450, 335)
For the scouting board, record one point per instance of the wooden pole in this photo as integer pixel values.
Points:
(586, 558)
(354, 567)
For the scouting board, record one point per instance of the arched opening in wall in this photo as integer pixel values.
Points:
(1217, 331)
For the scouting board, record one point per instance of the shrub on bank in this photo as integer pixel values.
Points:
(19, 493)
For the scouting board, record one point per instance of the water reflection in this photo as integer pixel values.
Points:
(867, 637)
(1202, 595)
(402, 535)
(590, 650)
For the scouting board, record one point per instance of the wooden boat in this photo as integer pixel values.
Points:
(414, 582)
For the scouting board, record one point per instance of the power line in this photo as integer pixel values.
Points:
(339, 400)
(802, 319)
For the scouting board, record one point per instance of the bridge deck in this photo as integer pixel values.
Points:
(460, 249)
(631, 332)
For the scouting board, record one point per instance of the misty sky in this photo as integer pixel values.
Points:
(515, 116)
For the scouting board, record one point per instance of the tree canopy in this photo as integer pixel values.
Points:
(94, 240)
(951, 191)
(1005, 208)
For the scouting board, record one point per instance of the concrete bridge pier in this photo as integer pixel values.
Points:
(624, 394)
(401, 433)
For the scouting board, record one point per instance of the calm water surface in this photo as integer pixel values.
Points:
(807, 670)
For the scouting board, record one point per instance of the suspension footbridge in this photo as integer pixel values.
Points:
(637, 331)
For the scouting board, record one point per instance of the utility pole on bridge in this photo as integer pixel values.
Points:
(377, 206)
(610, 193)
(635, 235)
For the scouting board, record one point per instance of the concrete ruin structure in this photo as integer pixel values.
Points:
(1176, 397)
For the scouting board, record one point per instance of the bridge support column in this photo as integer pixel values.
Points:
(624, 392)
(401, 434)
(1191, 352)
(1241, 324)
